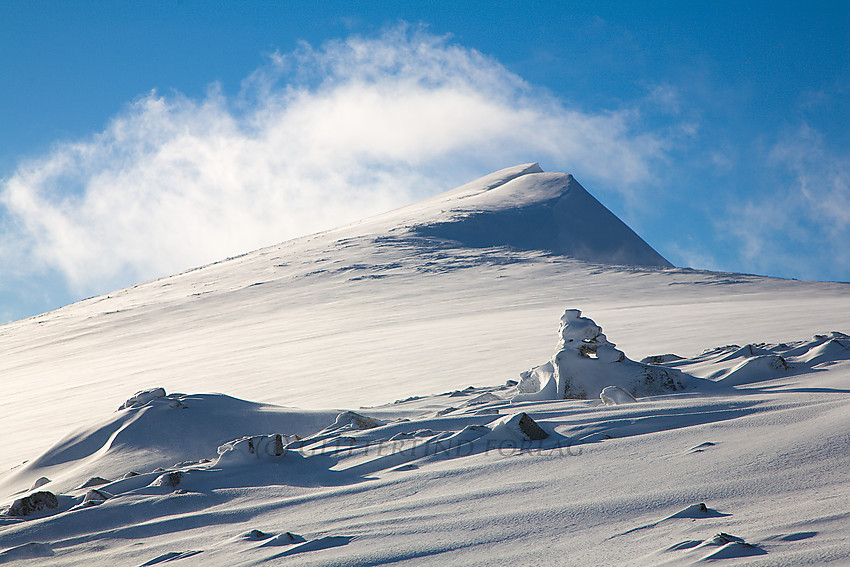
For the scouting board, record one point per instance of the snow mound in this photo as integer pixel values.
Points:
(694, 511)
(94, 481)
(94, 497)
(661, 359)
(457, 438)
(353, 420)
(753, 363)
(251, 449)
(827, 349)
(29, 550)
(158, 431)
(521, 426)
(485, 398)
(727, 546)
(41, 481)
(760, 367)
(286, 538)
(615, 396)
(586, 364)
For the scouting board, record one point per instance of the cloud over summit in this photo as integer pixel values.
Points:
(316, 138)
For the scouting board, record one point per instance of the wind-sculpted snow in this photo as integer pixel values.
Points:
(344, 303)
(737, 455)
(586, 364)
(309, 480)
(158, 430)
(755, 363)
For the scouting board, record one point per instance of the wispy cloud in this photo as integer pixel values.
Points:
(801, 227)
(316, 138)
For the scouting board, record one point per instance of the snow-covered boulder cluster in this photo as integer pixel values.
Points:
(587, 363)
(353, 420)
(250, 449)
(142, 397)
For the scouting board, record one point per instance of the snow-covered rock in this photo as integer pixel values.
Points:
(94, 481)
(587, 362)
(353, 420)
(520, 426)
(94, 497)
(251, 449)
(41, 481)
(661, 358)
(170, 479)
(615, 396)
(142, 397)
(34, 503)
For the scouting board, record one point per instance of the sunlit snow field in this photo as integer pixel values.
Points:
(364, 396)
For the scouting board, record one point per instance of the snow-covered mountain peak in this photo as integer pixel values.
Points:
(520, 207)
(527, 209)
(488, 182)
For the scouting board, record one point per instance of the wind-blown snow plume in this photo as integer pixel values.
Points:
(316, 138)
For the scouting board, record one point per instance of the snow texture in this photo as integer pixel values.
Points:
(589, 459)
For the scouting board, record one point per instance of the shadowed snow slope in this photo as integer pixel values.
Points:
(440, 305)
(160, 432)
(543, 211)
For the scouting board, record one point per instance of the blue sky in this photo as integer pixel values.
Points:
(141, 139)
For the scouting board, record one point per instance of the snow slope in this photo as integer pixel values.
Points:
(441, 306)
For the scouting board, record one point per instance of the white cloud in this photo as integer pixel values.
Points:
(821, 179)
(316, 138)
(802, 226)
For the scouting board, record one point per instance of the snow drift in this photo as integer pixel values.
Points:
(492, 448)
(160, 430)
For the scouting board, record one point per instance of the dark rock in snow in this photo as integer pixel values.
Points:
(35, 502)
(94, 497)
(170, 479)
(530, 428)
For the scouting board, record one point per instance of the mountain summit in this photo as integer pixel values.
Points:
(527, 209)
